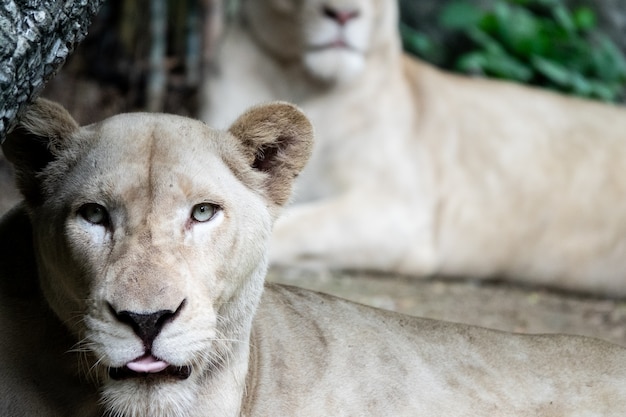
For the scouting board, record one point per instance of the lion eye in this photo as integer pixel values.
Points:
(94, 213)
(203, 212)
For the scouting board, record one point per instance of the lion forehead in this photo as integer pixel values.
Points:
(152, 155)
(140, 133)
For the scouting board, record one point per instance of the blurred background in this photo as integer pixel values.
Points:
(151, 54)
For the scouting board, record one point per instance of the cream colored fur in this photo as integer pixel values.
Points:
(73, 274)
(420, 172)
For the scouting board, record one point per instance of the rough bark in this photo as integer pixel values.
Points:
(36, 36)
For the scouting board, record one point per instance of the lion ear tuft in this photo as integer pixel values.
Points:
(277, 139)
(38, 137)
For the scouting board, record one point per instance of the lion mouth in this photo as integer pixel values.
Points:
(337, 44)
(147, 366)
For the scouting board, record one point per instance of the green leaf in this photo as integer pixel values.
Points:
(484, 40)
(584, 18)
(609, 62)
(580, 85)
(518, 28)
(506, 66)
(489, 24)
(415, 41)
(460, 15)
(564, 19)
(541, 41)
(495, 64)
(545, 3)
(605, 91)
(472, 63)
(552, 70)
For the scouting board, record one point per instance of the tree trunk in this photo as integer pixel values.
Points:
(36, 36)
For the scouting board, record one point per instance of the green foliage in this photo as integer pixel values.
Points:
(539, 42)
(416, 42)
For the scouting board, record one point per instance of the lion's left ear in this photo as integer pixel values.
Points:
(277, 139)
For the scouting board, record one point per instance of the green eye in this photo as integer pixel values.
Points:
(204, 212)
(94, 213)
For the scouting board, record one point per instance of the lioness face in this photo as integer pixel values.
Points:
(332, 37)
(151, 232)
(155, 229)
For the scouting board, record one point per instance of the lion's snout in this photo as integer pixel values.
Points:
(147, 325)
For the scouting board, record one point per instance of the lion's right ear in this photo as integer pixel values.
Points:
(35, 141)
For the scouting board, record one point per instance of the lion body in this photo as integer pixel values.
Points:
(132, 284)
(420, 172)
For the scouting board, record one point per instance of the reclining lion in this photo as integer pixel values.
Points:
(132, 284)
(420, 172)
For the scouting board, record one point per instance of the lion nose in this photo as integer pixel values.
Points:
(341, 16)
(147, 325)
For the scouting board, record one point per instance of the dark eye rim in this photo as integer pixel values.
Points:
(82, 212)
(216, 210)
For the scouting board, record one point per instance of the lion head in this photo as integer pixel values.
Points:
(332, 38)
(150, 232)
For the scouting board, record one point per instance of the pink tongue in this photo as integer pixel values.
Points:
(147, 364)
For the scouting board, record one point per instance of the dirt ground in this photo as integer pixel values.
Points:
(497, 305)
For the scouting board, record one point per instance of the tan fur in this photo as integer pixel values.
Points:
(420, 172)
(69, 282)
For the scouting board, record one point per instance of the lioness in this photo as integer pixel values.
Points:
(132, 285)
(421, 172)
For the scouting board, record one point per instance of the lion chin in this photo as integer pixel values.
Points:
(334, 65)
(142, 397)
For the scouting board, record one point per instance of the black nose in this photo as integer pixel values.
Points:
(147, 325)
(341, 16)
